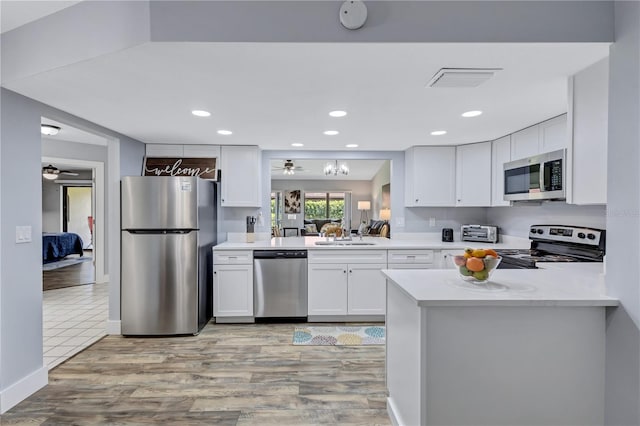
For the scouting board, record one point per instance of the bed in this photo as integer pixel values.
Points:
(56, 246)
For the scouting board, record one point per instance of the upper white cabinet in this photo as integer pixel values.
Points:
(473, 175)
(525, 143)
(240, 175)
(550, 135)
(185, 151)
(588, 150)
(553, 134)
(430, 173)
(500, 154)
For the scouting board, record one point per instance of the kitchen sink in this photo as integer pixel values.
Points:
(344, 243)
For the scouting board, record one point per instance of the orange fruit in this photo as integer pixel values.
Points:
(491, 252)
(475, 264)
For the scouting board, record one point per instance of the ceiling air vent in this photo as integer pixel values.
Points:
(461, 77)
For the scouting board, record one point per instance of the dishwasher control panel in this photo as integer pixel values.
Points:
(279, 254)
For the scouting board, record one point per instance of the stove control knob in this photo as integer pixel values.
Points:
(533, 230)
(591, 236)
(539, 231)
(581, 235)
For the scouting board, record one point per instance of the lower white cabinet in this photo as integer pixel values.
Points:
(354, 286)
(233, 284)
(366, 290)
(411, 259)
(446, 258)
(233, 290)
(327, 294)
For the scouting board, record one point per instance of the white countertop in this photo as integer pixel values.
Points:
(426, 242)
(591, 268)
(507, 287)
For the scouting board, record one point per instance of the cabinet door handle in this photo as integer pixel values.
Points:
(411, 256)
(215, 272)
(416, 200)
(350, 271)
(345, 271)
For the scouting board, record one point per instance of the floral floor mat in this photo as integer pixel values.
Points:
(341, 335)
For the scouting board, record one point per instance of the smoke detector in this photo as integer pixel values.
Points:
(461, 77)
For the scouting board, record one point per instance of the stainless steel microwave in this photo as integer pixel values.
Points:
(541, 177)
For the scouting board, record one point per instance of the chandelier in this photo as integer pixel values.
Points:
(335, 169)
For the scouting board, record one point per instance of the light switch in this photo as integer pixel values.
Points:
(400, 221)
(23, 234)
(432, 221)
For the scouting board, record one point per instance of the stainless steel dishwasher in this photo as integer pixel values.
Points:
(280, 283)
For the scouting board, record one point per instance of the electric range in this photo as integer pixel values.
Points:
(556, 243)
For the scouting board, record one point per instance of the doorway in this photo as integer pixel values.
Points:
(77, 213)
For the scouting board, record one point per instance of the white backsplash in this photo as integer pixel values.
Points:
(517, 219)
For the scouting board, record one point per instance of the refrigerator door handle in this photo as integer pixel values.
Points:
(160, 231)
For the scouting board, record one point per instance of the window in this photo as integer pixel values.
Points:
(324, 205)
(276, 209)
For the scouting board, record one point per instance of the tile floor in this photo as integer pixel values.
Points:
(73, 319)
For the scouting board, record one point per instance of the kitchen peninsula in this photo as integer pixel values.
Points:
(527, 349)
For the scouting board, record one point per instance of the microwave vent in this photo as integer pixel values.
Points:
(461, 77)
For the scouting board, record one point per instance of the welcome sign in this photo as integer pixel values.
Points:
(204, 168)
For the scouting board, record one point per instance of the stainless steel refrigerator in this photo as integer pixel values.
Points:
(168, 229)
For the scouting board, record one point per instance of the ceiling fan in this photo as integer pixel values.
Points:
(51, 172)
(288, 168)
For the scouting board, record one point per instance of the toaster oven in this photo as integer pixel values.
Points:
(479, 233)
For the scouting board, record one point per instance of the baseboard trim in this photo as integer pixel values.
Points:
(114, 327)
(103, 279)
(346, 318)
(393, 413)
(234, 320)
(20, 390)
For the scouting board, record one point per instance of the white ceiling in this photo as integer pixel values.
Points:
(275, 94)
(314, 169)
(72, 134)
(17, 13)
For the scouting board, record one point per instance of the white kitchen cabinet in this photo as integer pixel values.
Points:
(430, 173)
(240, 175)
(202, 151)
(473, 175)
(232, 290)
(411, 259)
(550, 135)
(366, 289)
(525, 143)
(500, 154)
(232, 283)
(587, 174)
(183, 151)
(553, 134)
(164, 150)
(346, 282)
(327, 289)
(446, 258)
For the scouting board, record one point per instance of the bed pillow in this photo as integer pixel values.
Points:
(310, 228)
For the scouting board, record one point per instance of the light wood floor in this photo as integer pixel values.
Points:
(228, 375)
(69, 276)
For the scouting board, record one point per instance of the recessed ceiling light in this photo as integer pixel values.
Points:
(351, 145)
(297, 144)
(331, 132)
(200, 113)
(471, 113)
(439, 132)
(225, 132)
(338, 113)
(49, 129)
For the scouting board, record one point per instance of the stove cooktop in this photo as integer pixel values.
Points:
(528, 258)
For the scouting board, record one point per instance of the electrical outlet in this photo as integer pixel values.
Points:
(400, 221)
(432, 221)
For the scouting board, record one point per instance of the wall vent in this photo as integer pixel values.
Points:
(461, 77)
